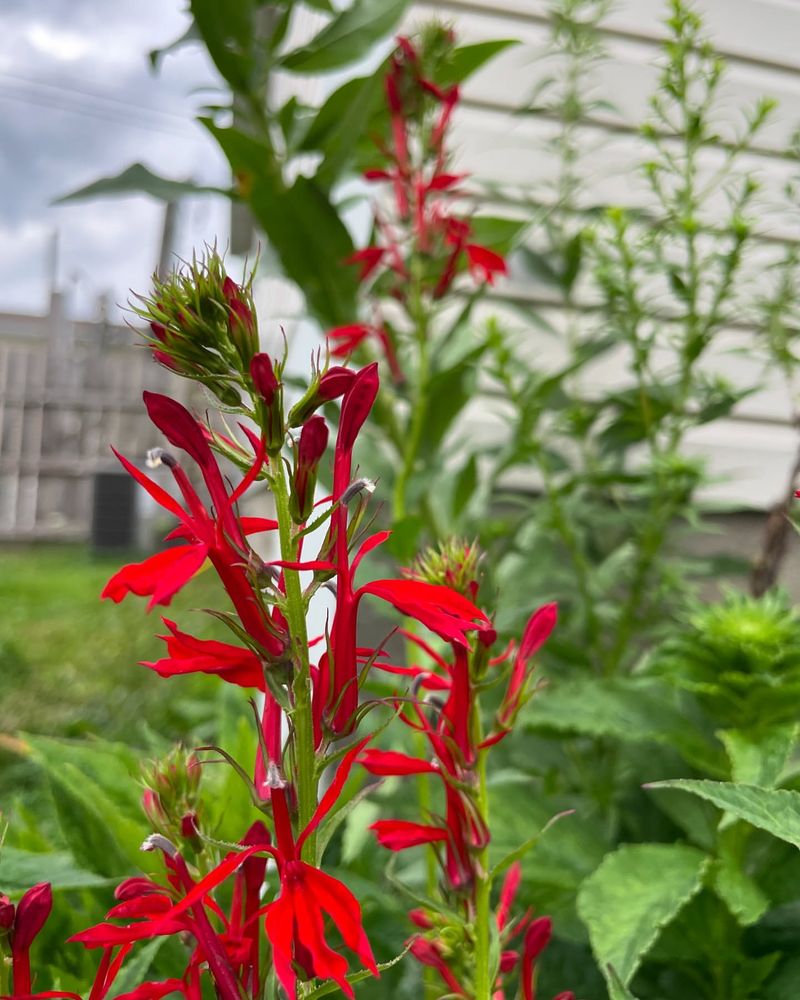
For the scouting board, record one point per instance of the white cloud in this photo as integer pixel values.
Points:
(58, 43)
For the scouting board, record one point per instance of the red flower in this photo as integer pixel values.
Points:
(188, 655)
(540, 625)
(295, 920)
(30, 916)
(484, 264)
(368, 258)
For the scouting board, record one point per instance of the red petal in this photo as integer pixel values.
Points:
(444, 611)
(161, 497)
(344, 910)
(160, 576)
(398, 834)
(391, 763)
(252, 525)
(327, 801)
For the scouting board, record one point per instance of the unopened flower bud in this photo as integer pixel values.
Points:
(32, 912)
(6, 913)
(330, 385)
(311, 448)
(268, 387)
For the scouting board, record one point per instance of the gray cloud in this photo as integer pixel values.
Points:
(78, 101)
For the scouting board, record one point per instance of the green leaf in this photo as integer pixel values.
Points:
(739, 892)
(84, 817)
(467, 59)
(573, 255)
(192, 34)
(21, 869)
(341, 121)
(617, 990)
(776, 810)
(137, 179)
(635, 892)
(227, 30)
(348, 37)
(759, 758)
(312, 243)
(499, 234)
(137, 967)
(633, 710)
(465, 484)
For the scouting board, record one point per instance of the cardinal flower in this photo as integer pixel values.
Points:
(295, 920)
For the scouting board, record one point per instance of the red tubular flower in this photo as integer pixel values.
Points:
(295, 920)
(400, 834)
(537, 937)
(189, 655)
(429, 953)
(484, 264)
(540, 625)
(368, 259)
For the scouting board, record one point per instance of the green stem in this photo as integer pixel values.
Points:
(302, 722)
(419, 402)
(483, 890)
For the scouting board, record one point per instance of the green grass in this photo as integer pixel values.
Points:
(69, 662)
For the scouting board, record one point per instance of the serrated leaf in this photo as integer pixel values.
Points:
(633, 710)
(138, 179)
(348, 37)
(776, 810)
(635, 892)
(85, 824)
(758, 758)
(21, 869)
(739, 892)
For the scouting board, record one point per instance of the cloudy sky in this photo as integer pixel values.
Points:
(78, 101)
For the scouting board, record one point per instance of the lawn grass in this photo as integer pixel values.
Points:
(69, 662)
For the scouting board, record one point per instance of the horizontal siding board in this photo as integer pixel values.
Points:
(626, 78)
(764, 31)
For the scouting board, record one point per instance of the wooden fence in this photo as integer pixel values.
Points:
(67, 391)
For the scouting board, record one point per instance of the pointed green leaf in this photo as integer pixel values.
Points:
(137, 179)
(739, 892)
(776, 810)
(635, 892)
(21, 869)
(348, 37)
(634, 710)
(759, 758)
(467, 59)
(227, 30)
(312, 244)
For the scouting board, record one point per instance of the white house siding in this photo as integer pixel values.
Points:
(751, 453)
